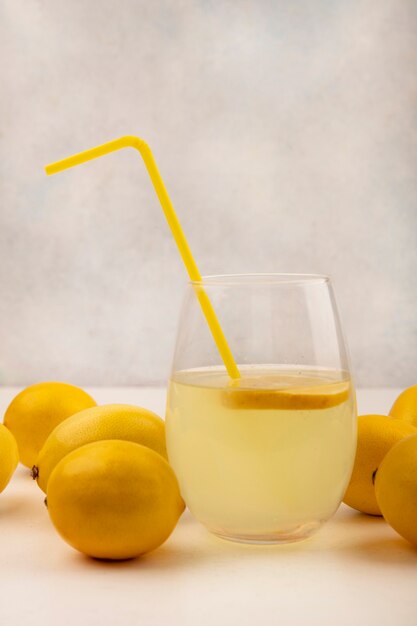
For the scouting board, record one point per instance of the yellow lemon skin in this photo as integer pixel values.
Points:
(114, 499)
(376, 436)
(9, 456)
(111, 421)
(396, 488)
(35, 412)
(405, 406)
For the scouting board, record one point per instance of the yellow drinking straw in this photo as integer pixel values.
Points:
(173, 222)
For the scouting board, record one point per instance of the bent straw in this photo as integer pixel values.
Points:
(174, 224)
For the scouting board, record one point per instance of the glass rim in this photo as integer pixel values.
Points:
(273, 278)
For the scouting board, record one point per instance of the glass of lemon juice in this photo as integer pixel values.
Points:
(261, 425)
(266, 457)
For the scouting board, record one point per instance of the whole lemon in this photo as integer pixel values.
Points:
(376, 435)
(9, 456)
(405, 406)
(35, 412)
(114, 499)
(111, 421)
(396, 488)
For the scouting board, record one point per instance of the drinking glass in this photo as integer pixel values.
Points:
(264, 458)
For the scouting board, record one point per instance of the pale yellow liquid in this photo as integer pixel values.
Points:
(265, 458)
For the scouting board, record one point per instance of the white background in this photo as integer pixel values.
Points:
(286, 134)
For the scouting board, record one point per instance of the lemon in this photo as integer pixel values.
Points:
(112, 421)
(9, 456)
(114, 499)
(405, 406)
(396, 488)
(36, 410)
(376, 435)
(305, 396)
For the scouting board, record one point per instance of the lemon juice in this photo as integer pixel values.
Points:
(264, 458)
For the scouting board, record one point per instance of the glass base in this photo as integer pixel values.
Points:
(298, 533)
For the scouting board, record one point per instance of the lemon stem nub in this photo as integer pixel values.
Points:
(34, 472)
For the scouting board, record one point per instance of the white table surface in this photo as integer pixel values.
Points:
(355, 571)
